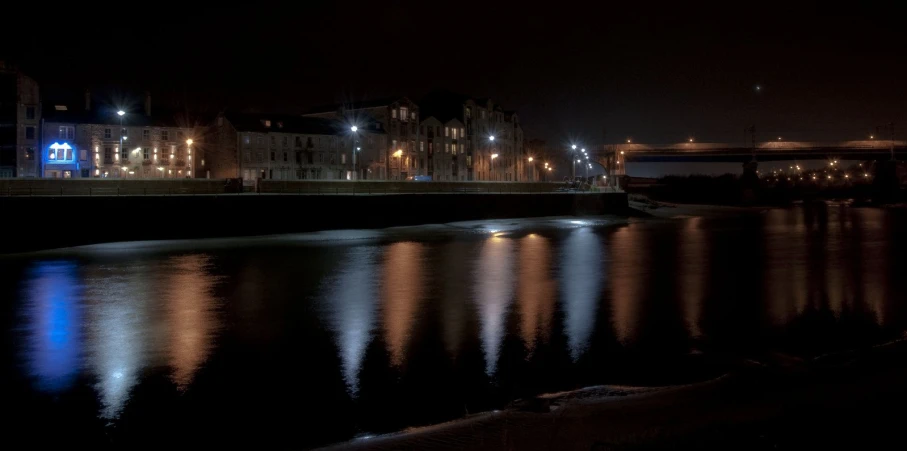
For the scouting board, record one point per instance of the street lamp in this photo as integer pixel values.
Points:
(354, 129)
(121, 113)
(493, 156)
(399, 154)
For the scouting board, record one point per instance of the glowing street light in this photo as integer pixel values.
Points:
(691, 139)
(354, 129)
(628, 140)
(491, 138)
(399, 154)
(530, 159)
(121, 113)
(573, 147)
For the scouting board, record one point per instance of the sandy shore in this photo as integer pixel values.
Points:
(849, 400)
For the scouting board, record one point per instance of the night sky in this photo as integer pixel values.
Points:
(593, 75)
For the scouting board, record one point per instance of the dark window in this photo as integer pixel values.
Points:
(107, 133)
(30, 153)
(29, 132)
(84, 173)
(29, 112)
(284, 156)
(108, 157)
(272, 156)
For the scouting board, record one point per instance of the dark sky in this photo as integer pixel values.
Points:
(658, 74)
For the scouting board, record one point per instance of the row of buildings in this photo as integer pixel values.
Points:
(445, 137)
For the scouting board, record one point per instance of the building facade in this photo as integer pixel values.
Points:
(492, 148)
(82, 142)
(20, 119)
(287, 147)
(399, 117)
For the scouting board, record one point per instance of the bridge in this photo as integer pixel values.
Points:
(764, 151)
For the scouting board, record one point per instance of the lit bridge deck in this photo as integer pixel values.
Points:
(764, 151)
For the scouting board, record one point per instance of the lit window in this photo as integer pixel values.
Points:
(421, 146)
(247, 139)
(394, 113)
(404, 113)
(462, 132)
(446, 148)
(343, 158)
(145, 153)
(446, 131)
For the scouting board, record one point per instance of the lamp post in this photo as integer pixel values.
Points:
(572, 162)
(354, 129)
(121, 113)
(189, 156)
(530, 169)
(399, 155)
(493, 156)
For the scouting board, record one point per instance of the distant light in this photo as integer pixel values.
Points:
(621, 152)
(491, 138)
(872, 137)
(121, 112)
(125, 138)
(530, 159)
(354, 128)
(493, 156)
(549, 169)
(358, 148)
(189, 141)
(584, 150)
(779, 138)
(865, 175)
(691, 139)
(573, 146)
(628, 141)
(846, 176)
(758, 88)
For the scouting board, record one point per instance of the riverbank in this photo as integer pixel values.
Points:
(847, 400)
(48, 222)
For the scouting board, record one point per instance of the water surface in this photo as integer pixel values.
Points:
(311, 339)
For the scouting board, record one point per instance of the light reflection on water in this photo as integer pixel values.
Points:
(581, 277)
(355, 326)
(349, 300)
(493, 294)
(55, 336)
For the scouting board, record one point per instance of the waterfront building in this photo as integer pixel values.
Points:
(493, 144)
(399, 117)
(20, 118)
(291, 147)
(104, 141)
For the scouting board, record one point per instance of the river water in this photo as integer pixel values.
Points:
(304, 340)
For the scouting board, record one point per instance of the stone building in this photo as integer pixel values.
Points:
(445, 146)
(399, 117)
(290, 147)
(482, 120)
(20, 117)
(80, 141)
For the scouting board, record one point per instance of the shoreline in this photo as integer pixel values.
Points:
(772, 405)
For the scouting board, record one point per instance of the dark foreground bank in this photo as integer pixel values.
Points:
(52, 222)
(847, 401)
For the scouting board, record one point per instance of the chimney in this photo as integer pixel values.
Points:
(87, 100)
(147, 103)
